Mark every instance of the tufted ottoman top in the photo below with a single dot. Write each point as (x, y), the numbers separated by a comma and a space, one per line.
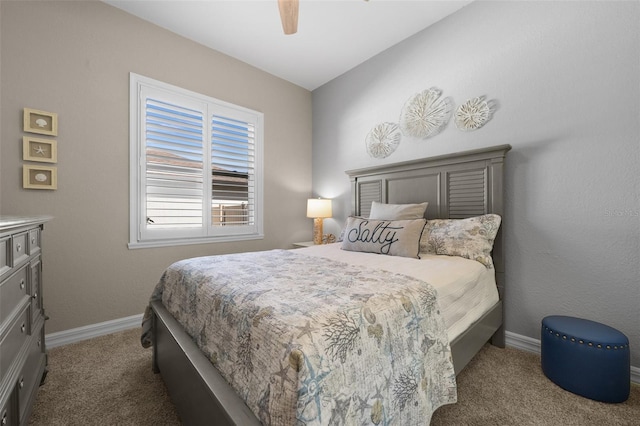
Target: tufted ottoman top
(585, 331)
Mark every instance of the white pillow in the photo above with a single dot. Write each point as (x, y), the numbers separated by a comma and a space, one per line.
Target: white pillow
(390, 237)
(382, 211)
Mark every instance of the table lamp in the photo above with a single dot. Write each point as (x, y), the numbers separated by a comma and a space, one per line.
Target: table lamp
(318, 209)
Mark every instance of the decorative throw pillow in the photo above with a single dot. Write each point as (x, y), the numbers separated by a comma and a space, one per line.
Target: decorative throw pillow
(471, 238)
(344, 228)
(391, 237)
(382, 211)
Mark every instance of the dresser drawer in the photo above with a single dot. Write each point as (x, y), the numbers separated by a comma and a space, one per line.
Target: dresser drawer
(9, 412)
(35, 288)
(29, 378)
(5, 255)
(12, 293)
(34, 241)
(19, 248)
(13, 340)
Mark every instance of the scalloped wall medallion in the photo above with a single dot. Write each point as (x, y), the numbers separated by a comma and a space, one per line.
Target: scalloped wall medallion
(473, 114)
(382, 140)
(425, 114)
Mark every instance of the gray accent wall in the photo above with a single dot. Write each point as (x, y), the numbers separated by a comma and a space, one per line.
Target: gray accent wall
(566, 78)
(74, 58)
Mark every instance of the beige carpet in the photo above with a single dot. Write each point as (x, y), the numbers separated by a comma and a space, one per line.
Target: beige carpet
(108, 381)
(103, 381)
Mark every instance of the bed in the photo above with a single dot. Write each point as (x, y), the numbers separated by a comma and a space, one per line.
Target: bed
(201, 377)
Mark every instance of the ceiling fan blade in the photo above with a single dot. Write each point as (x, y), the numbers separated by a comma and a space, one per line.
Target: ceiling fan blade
(289, 15)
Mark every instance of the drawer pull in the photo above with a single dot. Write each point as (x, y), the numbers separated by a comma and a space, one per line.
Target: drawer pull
(39, 342)
(18, 247)
(33, 240)
(21, 284)
(23, 328)
(4, 418)
(21, 383)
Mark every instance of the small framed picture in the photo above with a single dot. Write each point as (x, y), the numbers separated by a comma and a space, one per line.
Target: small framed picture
(39, 177)
(42, 150)
(41, 122)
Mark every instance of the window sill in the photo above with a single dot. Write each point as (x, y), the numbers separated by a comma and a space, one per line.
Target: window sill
(192, 241)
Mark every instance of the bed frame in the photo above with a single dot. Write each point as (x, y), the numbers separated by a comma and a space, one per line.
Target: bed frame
(455, 185)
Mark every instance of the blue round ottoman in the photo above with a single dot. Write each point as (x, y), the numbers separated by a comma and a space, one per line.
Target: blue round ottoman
(586, 357)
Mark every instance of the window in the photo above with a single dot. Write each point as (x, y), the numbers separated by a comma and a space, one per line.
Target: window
(196, 167)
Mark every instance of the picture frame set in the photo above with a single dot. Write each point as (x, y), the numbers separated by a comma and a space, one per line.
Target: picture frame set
(39, 150)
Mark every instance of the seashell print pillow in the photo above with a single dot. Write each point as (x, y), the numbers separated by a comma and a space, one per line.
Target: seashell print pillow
(389, 237)
(471, 238)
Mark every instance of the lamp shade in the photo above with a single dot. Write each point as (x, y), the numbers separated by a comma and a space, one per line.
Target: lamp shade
(318, 207)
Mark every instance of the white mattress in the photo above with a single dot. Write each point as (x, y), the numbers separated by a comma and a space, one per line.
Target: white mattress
(466, 288)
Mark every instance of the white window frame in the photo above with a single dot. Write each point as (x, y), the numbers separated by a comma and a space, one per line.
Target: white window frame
(139, 235)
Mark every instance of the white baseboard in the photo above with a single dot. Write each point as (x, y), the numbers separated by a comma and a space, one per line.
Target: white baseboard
(522, 342)
(74, 335)
(533, 345)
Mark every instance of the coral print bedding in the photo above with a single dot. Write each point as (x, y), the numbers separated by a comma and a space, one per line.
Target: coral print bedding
(306, 340)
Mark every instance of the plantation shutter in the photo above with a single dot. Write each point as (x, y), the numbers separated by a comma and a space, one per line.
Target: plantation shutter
(174, 181)
(196, 167)
(233, 171)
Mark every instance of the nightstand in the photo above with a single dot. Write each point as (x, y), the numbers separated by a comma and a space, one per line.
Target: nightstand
(303, 244)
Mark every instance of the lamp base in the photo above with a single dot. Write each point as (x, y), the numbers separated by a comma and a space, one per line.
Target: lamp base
(317, 230)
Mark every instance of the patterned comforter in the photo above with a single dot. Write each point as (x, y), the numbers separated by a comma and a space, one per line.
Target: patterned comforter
(306, 340)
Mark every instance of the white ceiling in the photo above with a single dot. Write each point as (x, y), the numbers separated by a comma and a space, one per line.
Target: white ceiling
(333, 36)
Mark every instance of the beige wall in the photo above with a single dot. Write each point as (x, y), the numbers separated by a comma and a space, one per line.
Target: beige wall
(74, 58)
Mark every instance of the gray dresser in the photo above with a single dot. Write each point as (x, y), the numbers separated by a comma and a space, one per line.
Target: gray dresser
(23, 359)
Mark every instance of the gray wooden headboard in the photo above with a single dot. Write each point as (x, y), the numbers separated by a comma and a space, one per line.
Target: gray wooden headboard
(456, 186)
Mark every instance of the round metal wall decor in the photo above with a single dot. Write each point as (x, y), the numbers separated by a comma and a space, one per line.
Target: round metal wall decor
(473, 114)
(382, 140)
(425, 114)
